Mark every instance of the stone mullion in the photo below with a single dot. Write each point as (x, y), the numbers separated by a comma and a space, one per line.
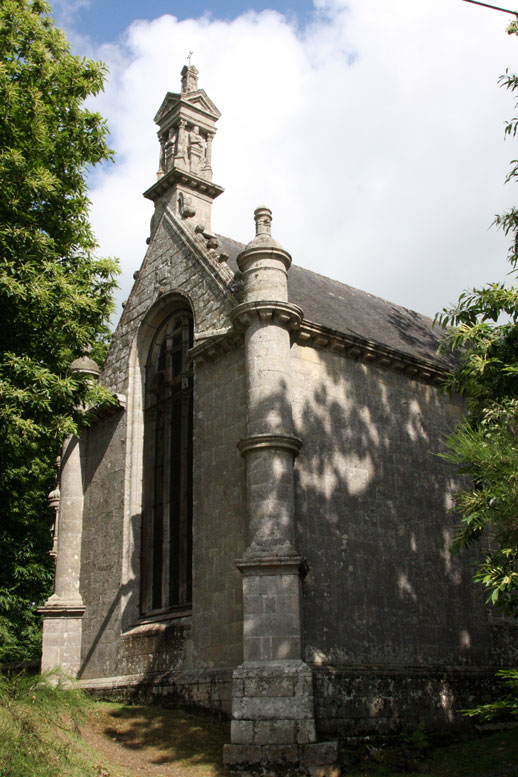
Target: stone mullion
(166, 504)
(184, 477)
(146, 540)
(185, 465)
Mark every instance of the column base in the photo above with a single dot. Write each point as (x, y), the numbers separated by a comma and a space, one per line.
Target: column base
(61, 643)
(317, 759)
(273, 727)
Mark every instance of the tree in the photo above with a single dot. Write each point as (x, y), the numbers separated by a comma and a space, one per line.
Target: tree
(485, 445)
(55, 296)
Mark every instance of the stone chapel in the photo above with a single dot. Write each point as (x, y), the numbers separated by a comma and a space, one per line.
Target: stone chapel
(260, 525)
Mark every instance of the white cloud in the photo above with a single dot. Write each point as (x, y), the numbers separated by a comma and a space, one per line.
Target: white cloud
(375, 134)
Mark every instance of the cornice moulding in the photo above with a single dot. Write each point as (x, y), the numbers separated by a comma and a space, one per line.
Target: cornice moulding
(270, 565)
(176, 175)
(277, 441)
(352, 347)
(102, 412)
(315, 336)
(62, 611)
(213, 347)
(275, 311)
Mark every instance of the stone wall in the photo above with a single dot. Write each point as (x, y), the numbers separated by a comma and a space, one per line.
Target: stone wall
(101, 546)
(165, 656)
(168, 266)
(383, 598)
(219, 533)
(356, 702)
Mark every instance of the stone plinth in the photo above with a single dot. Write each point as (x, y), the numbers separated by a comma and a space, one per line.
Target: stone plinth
(318, 759)
(273, 727)
(271, 606)
(61, 643)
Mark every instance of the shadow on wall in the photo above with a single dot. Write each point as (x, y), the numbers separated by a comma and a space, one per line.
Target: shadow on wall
(383, 598)
(150, 649)
(372, 501)
(372, 507)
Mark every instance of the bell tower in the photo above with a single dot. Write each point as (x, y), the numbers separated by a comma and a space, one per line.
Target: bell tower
(186, 128)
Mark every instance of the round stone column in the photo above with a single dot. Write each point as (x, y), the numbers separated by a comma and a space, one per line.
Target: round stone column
(267, 317)
(270, 446)
(63, 611)
(66, 587)
(273, 723)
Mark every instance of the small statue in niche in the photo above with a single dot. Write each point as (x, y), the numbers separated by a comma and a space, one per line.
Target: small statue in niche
(161, 161)
(169, 149)
(196, 149)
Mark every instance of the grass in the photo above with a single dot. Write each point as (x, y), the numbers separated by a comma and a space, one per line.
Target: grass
(39, 716)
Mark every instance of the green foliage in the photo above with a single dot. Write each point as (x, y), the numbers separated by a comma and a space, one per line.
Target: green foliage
(486, 450)
(503, 707)
(484, 334)
(55, 297)
(38, 716)
(415, 738)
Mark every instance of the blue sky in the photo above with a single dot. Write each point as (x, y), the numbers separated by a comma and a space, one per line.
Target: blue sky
(372, 128)
(105, 20)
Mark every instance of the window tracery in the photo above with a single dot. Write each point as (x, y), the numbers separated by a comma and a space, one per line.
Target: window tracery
(167, 500)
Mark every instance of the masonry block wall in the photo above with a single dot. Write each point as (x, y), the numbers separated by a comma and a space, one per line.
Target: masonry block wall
(101, 556)
(115, 643)
(167, 267)
(382, 590)
(219, 510)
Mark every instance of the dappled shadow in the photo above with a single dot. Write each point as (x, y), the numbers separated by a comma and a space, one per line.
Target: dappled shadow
(168, 736)
(372, 519)
(415, 331)
(382, 595)
(392, 623)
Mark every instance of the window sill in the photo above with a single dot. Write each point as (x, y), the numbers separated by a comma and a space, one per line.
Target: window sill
(159, 621)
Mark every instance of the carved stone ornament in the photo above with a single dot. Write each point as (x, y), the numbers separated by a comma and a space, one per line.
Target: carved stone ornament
(196, 150)
(185, 206)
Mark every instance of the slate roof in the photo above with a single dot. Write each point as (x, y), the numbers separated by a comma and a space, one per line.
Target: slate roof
(344, 309)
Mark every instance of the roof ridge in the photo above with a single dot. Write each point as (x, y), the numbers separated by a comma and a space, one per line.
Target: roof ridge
(363, 291)
(342, 283)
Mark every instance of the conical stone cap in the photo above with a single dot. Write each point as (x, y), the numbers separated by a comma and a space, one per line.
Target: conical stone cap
(264, 263)
(263, 235)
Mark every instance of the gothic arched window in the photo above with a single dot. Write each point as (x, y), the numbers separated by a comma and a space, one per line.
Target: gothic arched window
(167, 500)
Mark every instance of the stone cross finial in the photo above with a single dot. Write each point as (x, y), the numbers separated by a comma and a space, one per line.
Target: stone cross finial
(189, 78)
(263, 220)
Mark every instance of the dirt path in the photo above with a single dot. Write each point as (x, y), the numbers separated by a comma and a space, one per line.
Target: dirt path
(153, 742)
